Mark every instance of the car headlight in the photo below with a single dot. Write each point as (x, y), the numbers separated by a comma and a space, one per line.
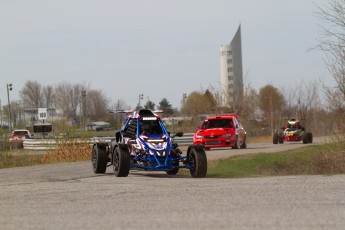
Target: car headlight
(198, 136)
(226, 135)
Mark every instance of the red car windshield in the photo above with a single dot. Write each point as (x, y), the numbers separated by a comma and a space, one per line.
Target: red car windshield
(20, 133)
(217, 123)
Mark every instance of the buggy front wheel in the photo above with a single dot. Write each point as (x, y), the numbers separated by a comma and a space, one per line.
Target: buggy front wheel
(198, 162)
(121, 161)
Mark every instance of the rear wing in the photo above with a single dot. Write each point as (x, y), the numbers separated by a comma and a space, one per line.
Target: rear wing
(232, 115)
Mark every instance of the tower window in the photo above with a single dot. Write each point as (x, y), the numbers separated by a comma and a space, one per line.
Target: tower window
(229, 70)
(229, 61)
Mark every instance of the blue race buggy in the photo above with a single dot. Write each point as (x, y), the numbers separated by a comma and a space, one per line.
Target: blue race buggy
(144, 143)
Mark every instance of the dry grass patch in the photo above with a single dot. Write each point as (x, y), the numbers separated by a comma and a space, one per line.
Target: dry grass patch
(330, 162)
(67, 152)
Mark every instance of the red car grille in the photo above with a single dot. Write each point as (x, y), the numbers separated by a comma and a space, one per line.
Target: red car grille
(213, 142)
(212, 137)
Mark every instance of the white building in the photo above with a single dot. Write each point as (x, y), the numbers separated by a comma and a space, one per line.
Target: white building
(98, 126)
(231, 76)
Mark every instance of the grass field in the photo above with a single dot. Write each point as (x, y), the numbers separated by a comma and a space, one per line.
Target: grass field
(309, 160)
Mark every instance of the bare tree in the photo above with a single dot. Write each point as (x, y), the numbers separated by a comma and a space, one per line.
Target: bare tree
(48, 96)
(17, 114)
(68, 98)
(291, 101)
(120, 105)
(271, 102)
(332, 42)
(97, 105)
(63, 98)
(31, 94)
(76, 98)
(250, 101)
(307, 96)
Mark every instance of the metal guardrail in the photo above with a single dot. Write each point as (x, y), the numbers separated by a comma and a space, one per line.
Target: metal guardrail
(186, 139)
(49, 144)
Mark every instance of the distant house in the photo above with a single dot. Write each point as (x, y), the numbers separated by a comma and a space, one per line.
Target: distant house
(98, 126)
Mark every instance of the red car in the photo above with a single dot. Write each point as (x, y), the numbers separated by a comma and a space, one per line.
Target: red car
(18, 136)
(221, 131)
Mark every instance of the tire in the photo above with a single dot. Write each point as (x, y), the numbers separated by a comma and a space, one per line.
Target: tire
(305, 138)
(175, 170)
(121, 161)
(275, 138)
(99, 159)
(244, 144)
(198, 161)
(281, 141)
(236, 143)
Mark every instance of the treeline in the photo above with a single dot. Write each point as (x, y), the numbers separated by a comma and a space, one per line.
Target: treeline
(68, 98)
(76, 102)
(262, 111)
(265, 110)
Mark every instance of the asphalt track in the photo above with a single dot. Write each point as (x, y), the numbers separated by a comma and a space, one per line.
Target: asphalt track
(70, 196)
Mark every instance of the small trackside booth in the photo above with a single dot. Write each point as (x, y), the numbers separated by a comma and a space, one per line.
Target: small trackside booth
(42, 130)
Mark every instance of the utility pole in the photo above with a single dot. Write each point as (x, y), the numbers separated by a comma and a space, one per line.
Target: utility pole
(83, 95)
(184, 97)
(0, 115)
(141, 96)
(9, 88)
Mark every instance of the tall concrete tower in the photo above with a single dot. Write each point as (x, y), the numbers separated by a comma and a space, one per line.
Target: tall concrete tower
(231, 74)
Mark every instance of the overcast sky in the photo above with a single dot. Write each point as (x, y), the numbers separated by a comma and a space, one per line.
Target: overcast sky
(158, 48)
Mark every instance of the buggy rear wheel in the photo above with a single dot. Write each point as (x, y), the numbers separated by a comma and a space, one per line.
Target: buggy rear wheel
(121, 161)
(275, 138)
(99, 159)
(281, 140)
(198, 162)
(305, 138)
